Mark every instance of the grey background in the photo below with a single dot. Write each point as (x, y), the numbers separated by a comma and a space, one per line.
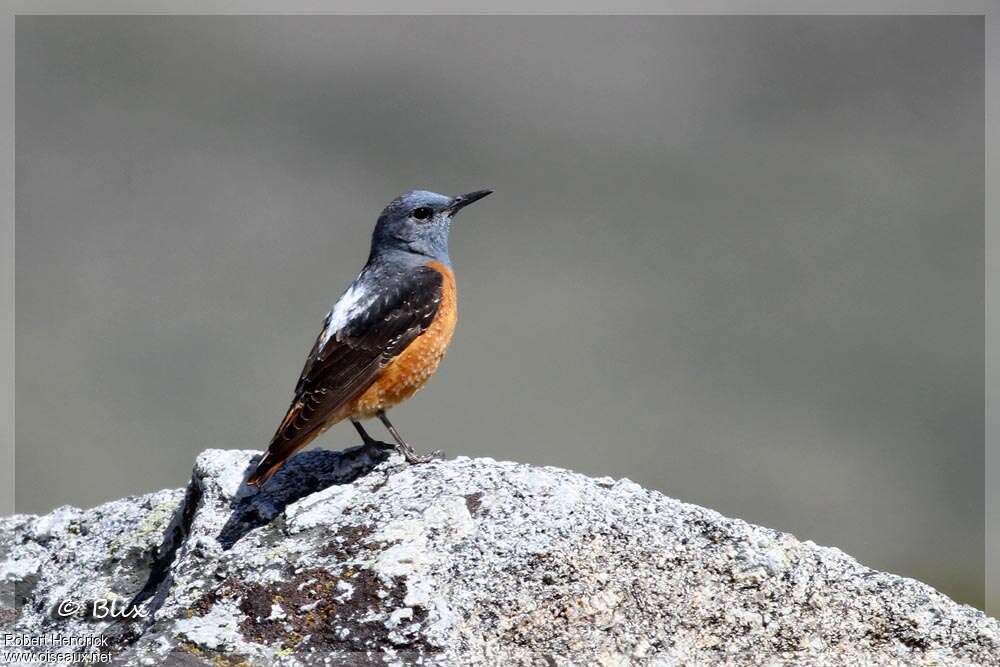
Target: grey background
(738, 259)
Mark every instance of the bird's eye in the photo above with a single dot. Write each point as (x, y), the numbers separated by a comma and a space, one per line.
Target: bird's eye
(423, 212)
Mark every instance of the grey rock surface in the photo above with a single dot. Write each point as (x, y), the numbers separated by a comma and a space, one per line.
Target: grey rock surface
(355, 558)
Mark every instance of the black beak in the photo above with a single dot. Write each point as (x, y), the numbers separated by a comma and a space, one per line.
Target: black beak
(461, 201)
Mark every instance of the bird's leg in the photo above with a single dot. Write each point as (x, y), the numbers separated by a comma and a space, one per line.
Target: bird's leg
(408, 453)
(367, 439)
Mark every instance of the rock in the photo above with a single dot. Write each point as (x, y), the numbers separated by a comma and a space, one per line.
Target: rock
(356, 558)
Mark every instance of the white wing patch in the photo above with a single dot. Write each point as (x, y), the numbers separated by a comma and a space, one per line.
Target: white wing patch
(353, 301)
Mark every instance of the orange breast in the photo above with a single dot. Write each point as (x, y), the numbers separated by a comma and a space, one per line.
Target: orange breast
(416, 364)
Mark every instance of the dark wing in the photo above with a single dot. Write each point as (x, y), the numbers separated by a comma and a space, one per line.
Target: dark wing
(343, 365)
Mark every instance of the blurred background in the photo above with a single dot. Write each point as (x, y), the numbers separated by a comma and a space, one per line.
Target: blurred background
(735, 259)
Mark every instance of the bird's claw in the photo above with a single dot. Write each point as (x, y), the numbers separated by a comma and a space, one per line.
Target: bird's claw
(413, 458)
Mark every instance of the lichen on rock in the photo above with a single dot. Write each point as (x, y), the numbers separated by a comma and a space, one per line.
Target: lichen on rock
(354, 558)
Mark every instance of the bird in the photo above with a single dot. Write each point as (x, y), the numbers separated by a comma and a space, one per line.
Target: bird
(384, 337)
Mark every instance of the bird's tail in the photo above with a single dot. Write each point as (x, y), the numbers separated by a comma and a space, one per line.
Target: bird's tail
(277, 454)
(266, 467)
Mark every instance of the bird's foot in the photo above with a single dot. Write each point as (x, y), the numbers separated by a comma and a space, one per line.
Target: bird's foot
(413, 458)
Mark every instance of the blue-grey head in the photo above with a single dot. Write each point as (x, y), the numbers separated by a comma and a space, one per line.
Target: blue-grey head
(413, 228)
